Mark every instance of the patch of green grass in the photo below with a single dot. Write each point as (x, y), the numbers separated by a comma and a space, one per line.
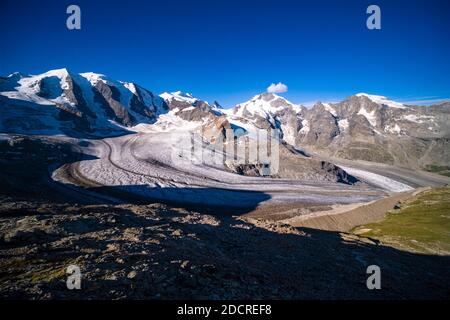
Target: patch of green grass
(421, 225)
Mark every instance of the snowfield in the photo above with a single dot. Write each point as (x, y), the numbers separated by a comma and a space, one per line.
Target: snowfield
(382, 100)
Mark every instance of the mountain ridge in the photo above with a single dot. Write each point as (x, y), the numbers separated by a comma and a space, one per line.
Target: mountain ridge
(361, 127)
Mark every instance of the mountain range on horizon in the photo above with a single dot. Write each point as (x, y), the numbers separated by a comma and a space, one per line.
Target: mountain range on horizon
(361, 127)
(189, 94)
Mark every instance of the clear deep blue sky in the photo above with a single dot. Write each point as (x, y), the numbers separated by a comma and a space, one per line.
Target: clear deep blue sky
(229, 50)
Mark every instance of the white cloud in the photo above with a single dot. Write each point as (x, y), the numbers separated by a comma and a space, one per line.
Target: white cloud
(277, 88)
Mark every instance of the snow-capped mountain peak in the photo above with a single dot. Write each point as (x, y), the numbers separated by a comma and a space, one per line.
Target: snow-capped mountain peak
(264, 105)
(179, 96)
(31, 84)
(381, 100)
(268, 97)
(94, 78)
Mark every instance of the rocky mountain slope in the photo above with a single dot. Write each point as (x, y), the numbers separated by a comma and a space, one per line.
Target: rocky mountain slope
(362, 127)
(373, 128)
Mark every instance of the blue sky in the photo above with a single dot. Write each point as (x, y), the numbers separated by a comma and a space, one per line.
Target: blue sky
(231, 50)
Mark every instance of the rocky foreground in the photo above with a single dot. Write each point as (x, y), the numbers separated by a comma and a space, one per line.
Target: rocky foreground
(159, 252)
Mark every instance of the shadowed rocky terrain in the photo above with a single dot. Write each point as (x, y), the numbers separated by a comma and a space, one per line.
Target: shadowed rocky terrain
(155, 251)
